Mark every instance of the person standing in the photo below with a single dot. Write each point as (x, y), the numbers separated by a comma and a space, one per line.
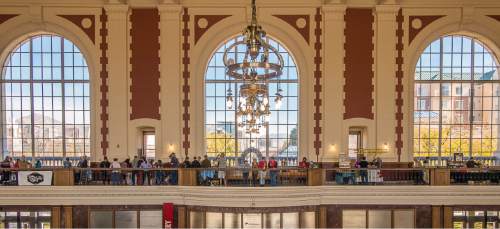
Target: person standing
(186, 163)
(273, 171)
(67, 163)
(363, 165)
(159, 173)
(222, 165)
(245, 170)
(255, 171)
(206, 174)
(174, 163)
(115, 173)
(105, 173)
(262, 171)
(196, 163)
(135, 165)
(304, 164)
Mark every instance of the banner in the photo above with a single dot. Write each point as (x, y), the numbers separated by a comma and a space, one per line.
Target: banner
(168, 215)
(34, 178)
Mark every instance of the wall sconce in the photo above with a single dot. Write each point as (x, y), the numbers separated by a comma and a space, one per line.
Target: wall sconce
(386, 146)
(332, 147)
(171, 148)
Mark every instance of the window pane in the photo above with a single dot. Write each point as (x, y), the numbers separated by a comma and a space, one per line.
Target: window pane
(40, 102)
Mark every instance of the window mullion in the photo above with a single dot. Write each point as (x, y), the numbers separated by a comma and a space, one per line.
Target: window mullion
(63, 101)
(440, 126)
(33, 155)
(472, 93)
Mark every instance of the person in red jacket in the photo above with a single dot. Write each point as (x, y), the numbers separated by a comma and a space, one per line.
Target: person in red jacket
(262, 171)
(273, 172)
(304, 164)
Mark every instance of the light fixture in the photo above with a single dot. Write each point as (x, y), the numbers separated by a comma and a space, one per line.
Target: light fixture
(253, 71)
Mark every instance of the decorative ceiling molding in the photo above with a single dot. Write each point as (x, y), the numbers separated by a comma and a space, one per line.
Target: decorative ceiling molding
(418, 23)
(301, 23)
(84, 22)
(203, 22)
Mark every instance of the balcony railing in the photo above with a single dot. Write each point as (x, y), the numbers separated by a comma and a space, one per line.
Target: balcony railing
(384, 176)
(248, 177)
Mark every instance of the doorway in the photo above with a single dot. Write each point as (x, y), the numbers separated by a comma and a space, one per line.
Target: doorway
(355, 143)
(149, 144)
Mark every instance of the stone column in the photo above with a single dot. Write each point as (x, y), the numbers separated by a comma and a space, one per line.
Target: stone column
(333, 81)
(170, 79)
(118, 108)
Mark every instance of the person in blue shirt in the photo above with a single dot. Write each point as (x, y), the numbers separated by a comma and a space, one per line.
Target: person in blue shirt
(67, 163)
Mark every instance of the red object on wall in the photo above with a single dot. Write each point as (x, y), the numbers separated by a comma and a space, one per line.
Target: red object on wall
(145, 61)
(168, 215)
(358, 74)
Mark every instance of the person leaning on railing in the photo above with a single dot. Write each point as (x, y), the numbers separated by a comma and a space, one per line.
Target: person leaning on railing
(262, 171)
(6, 165)
(115, 173)
(255, 169)
(206, 174)
(245, 170)
(273, 171)
(222, 165)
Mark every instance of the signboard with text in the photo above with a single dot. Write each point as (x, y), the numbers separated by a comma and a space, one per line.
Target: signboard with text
(38, 178)
(168, 215)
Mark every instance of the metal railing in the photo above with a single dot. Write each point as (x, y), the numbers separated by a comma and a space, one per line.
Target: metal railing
(125, 176)
(253, 177)
(475, 176)
(282, 176)
(377, 176)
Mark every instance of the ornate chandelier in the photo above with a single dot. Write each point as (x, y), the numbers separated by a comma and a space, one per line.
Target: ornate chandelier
(253, 71)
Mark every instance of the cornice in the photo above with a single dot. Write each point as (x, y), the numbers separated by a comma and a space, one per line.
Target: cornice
(251, 197)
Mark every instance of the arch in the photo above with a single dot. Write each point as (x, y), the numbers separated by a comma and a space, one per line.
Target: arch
(47, 106)
(456, 82)
(19, 28)
(288, 36)
(481, 28)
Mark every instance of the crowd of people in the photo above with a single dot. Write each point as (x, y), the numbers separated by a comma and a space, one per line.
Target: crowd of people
(143, 171)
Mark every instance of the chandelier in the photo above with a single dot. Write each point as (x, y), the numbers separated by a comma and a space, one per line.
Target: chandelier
(253, 71)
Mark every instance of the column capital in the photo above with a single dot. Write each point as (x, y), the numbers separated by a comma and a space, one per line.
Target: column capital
(386, 12)
(334, 12)
(116, 8)
(169, 12)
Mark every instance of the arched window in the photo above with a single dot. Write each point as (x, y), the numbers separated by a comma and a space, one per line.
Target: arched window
(45, 100)
(456, 100)
(279, 139)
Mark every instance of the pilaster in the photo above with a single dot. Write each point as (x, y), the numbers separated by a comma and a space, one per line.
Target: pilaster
(170, 80)
(118, 80)
(333, 81)
(385, 79)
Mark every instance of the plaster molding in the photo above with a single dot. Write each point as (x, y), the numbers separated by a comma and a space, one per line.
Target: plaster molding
(251, 197)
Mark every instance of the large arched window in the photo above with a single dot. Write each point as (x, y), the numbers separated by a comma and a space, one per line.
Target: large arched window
(279, 139)
(45, 100)
(456, 100)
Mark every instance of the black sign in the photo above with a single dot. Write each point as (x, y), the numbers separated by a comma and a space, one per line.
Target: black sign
(35, 178)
